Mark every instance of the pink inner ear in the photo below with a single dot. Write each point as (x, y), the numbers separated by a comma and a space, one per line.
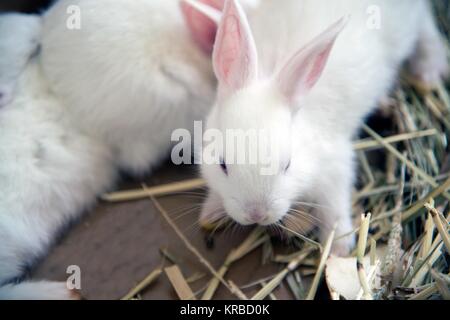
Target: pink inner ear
(234, 57)
(231, 38)
(218, 4)
(202, 28)
(319, 64)
(304, 69)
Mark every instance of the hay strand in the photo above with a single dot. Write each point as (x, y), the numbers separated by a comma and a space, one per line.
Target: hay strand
(326, 252)
(160, 190)
(179, 283)
(361, 248)
(189, 245)
(149, 279)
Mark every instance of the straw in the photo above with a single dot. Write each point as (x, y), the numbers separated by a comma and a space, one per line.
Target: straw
(407, 162)
(188, 244)
(253, 241)
(439, 226)
(179, 283)
(154, 191)
(321, 267)
(149, 279)
(275, 282)
(361, 248)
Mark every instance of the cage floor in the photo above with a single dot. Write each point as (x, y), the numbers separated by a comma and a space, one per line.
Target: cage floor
(117, 245)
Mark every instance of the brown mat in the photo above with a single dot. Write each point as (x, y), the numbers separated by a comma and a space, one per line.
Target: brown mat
(117, 245)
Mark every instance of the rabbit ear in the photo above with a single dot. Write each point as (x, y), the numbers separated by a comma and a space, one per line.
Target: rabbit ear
(234, 55)
(202, 18)
(304, 69)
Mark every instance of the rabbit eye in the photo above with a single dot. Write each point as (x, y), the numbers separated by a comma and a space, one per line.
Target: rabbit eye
(223, 166)
(287, 166)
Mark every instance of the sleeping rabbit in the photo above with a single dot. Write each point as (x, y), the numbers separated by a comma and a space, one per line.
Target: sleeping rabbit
(131, 73)
(105, 96)
(50, 173)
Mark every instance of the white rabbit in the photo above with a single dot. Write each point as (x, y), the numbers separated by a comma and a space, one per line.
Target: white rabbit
(130, 75)
(49, 174)
(50, 171)
(19, 39)
(148, 76)
(269, 70)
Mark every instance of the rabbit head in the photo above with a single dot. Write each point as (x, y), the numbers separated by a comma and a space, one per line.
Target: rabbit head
(261, 191)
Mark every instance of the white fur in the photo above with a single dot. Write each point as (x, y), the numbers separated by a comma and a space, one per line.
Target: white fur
(361, 69)
(129, 76)
(429, 63)
(19, 38)
(49, 174)
(38, 290)
(123, 82)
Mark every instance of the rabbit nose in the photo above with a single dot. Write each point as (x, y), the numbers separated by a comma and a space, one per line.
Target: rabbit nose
(256, 216)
